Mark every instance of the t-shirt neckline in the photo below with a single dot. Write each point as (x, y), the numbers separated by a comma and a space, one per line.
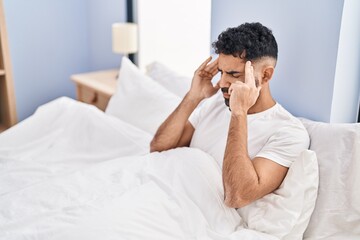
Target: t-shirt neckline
(260, 114)
(263, 113)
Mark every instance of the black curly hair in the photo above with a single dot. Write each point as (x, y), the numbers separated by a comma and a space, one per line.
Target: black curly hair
(250, 41)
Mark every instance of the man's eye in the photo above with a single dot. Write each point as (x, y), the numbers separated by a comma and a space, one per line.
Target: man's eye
(236, 76)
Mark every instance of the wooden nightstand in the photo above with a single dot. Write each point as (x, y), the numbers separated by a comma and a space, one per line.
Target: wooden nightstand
(96, 88)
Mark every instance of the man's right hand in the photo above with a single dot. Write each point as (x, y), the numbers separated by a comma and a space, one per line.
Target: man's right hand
(201, 86)
(177, 131)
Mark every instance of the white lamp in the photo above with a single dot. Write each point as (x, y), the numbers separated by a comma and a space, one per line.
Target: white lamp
(124, 38)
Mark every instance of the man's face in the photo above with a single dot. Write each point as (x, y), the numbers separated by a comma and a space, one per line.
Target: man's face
(232, 69)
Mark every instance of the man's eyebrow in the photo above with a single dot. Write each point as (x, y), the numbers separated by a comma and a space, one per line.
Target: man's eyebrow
(233, 72)
(230, 72)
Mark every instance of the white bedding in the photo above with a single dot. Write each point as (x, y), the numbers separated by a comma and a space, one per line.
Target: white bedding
(72, 172)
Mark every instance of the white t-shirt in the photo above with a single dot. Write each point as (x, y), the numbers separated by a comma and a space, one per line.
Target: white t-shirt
(273, 134)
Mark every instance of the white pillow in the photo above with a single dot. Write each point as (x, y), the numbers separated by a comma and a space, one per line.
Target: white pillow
(286, 212)
(139, 100)
(337, 211)
(168, 78)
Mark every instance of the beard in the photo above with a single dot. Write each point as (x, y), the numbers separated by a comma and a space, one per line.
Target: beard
(227, 100)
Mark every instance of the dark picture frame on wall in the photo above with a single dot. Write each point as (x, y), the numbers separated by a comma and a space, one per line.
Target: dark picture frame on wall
(131, 17)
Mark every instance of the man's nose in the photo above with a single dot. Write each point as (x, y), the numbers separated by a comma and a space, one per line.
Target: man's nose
(223, 82)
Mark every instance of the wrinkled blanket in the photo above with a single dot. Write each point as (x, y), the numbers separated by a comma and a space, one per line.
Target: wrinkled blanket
(72, 172)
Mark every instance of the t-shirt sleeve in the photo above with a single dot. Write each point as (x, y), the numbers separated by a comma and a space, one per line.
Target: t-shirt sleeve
(200, 111)
(285, 145)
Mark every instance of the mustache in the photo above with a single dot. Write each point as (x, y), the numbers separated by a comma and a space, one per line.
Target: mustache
(225, 90)
(227, 100)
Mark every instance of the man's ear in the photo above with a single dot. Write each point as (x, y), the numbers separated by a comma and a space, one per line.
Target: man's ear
(268, 72)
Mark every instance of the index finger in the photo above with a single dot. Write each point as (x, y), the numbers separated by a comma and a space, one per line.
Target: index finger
(249, 74)
(212, 67)
(203, 65)
(213, 64)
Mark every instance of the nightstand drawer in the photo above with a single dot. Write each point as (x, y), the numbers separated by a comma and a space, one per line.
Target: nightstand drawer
(90, 96)
(96, 88)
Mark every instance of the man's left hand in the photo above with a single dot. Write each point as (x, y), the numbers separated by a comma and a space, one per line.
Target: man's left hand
(243, 95)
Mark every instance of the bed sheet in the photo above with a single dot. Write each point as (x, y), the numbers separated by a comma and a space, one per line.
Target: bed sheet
(72, 172)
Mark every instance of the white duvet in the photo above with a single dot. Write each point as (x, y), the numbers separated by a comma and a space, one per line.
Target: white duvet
(72, 172)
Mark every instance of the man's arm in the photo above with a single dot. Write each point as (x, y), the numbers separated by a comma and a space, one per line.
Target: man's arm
(177, 131)
(246, 180)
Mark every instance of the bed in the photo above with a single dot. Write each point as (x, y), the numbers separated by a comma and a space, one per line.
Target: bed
(71, 171)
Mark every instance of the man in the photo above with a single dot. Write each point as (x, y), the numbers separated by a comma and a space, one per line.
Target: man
(252, 137)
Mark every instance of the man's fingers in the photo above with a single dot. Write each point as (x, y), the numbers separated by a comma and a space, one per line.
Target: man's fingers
(203, 65)
(215, 70)
(212, 67)
(205, 74)
(249, 74)
(230, 89)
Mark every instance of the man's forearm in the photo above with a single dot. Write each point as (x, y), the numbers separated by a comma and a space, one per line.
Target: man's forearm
(239, 175)
(169, 133)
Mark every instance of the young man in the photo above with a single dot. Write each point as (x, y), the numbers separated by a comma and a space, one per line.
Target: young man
(252, 137)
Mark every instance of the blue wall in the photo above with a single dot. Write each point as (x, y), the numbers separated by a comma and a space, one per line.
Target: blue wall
(307, 33)
(103, 13)
(51, 40)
